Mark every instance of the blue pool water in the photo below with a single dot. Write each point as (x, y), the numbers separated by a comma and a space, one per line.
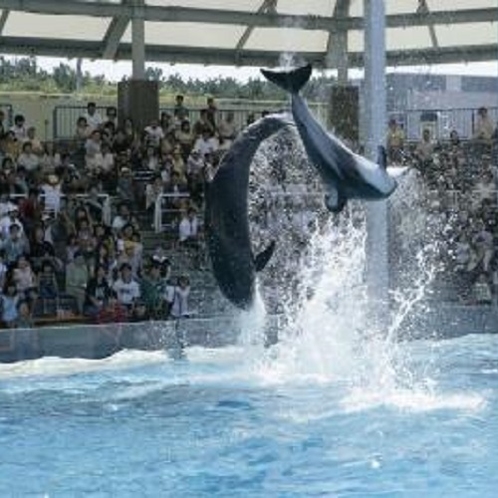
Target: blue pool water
(245, 422)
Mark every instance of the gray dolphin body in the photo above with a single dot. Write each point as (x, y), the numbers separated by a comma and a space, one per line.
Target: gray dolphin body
(226, 216)
(346, 175)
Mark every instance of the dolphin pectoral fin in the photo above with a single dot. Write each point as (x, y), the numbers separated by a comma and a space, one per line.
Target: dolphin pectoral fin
(334, 201)
(291, 81)
(382, 157)
(261, 260)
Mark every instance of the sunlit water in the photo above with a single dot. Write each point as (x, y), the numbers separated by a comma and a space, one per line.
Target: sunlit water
(336, 408)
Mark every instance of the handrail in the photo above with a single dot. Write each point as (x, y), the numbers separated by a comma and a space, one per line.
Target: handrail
(158, 208)
(106, 206)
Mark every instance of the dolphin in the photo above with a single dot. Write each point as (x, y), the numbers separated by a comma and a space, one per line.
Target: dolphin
(226, 222)
(346, 175)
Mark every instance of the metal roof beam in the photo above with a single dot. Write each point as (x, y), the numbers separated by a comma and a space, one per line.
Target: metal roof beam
(259, 58)
(113, 36)
(217, 16)
(267, 5)
(3, 20)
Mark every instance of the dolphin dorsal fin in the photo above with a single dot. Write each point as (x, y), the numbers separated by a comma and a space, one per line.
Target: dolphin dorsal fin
(261, 260)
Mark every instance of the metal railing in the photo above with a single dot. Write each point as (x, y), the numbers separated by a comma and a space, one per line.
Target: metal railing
(64, 118)
(106, 204)
(163, 207)
(441, 121)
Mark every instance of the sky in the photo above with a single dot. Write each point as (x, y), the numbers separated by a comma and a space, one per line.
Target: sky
(115, 71)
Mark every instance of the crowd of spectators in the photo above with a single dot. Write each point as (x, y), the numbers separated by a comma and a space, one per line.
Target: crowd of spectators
(61, 256)
(460, 184)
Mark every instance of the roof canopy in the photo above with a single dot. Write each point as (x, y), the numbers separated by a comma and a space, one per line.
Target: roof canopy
(249, 32)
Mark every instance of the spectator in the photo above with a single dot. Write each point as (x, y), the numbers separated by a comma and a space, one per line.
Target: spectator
(395, 142)
(126, 287)
(112, 311)
(206, 143)
(154, 134)
(167, 124)
(16, 245)
(227, 128)
(140, 313)
(122, 218)
(36, 145)
(82, 131)
(93, 117)
(3, 269)
(485, 128)
(153, 291)
(483, 245)
(203, 123)
(97, 292)
(47, 282)
(125, 188)
(185, 139)
(24, 316)
(152, 192)
(25, 279)
(19, 128)
(111, 114)
(52, 193)
(188, 229)
(8, 219)
(41, 250)
(77, 276)
(9, 301)
(179, 305)
(482, 291)
(212, 112)
(180, 112)
(28, 159)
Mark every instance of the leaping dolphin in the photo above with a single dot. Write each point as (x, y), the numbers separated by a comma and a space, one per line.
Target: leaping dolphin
(346, 175)
(226, 215)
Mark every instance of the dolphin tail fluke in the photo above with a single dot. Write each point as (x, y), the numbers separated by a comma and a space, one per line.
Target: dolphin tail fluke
(291, 81)
(261, 260)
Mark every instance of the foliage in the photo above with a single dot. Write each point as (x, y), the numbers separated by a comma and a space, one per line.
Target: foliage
(24, 74)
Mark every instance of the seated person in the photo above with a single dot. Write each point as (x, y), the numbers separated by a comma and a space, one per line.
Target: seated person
(76, 279)
(126, 287)
(181, 292)
(485, 128)
(97, 293)
(395, 142)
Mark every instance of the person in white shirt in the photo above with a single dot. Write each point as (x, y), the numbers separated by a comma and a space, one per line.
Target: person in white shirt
(126, 288)
(19, 128)
(206, 143)
(189, 228)
(11, 218)
(179, 297)
(154, 133)
(93, 118)
(28, 158)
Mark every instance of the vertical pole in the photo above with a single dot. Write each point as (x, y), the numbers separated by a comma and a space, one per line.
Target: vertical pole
(377, 271)
(138, 41)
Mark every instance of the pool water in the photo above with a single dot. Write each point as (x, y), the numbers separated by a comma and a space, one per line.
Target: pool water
(234, 422)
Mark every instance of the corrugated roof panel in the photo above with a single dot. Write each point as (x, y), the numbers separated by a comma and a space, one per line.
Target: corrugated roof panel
(287, 40)
(408, 38)
(61, 26)
(190, 34)
(467, 34)
(323, 8)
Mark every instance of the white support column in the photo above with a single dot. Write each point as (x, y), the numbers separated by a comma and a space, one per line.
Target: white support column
(138, 40)
(377, 273)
